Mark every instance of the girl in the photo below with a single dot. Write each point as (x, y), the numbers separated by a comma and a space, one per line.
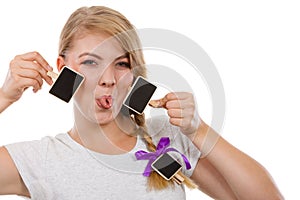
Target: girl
(96, 158)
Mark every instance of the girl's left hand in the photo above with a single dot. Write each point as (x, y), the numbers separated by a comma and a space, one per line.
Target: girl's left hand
(181, 109)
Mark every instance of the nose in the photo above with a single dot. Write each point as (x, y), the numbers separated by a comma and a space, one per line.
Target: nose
(108, 78)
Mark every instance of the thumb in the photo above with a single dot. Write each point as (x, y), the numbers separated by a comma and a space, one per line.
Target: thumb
(159, 103)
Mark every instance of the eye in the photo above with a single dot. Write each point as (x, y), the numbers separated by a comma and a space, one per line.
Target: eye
(89, 63)
(123, 64)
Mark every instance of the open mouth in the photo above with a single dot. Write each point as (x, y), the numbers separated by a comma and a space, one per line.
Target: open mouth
(105, 101)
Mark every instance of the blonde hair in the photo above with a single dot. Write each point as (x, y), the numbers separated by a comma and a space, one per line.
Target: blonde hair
(97, 19)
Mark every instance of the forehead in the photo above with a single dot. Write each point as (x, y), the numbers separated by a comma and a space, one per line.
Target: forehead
(101, 44)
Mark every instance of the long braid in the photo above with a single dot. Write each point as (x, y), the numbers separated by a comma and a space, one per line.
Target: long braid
(156, 181)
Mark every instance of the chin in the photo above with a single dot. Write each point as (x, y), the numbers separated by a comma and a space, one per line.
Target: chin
(103, 119)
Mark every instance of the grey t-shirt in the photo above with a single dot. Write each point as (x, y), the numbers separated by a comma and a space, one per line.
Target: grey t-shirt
(60, 168)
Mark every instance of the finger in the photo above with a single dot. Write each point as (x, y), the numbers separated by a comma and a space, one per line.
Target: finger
(163, 102)
(174, 104)
(35, 56)
(180, 122)
(29, 82)
(178, 95)
(31, 74)
(181, 113)
(159, 103)
(176, 121)
(175, 113)
(36, 67)
(182, 104)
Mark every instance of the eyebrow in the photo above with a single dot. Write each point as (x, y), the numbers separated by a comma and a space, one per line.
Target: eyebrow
(125, 55)
(90, 54)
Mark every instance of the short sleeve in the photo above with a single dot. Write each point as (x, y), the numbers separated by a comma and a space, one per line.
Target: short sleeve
(160, 127)
(29, 158)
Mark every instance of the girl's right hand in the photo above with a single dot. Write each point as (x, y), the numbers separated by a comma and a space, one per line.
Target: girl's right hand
(26, 70)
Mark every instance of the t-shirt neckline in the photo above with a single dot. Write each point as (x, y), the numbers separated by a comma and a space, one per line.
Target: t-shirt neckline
(136, 147)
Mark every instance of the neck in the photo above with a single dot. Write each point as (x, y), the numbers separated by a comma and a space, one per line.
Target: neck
(114, 137)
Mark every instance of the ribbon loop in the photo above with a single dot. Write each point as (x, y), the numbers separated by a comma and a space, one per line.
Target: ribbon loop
(161, 148)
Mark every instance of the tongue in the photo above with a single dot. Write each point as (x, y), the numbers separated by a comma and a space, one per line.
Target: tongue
(106, 102)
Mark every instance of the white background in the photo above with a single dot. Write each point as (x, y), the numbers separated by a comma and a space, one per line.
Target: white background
(255, 46)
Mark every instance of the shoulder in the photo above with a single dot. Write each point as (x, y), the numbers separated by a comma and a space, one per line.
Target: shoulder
(39, 148)
(157, 123)
(159, 126)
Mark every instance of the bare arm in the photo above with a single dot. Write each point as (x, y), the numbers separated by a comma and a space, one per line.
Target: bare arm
(4, 103)
(10, 179)
(26, 70)
(238, 174)
(211, 182)
(224, 172)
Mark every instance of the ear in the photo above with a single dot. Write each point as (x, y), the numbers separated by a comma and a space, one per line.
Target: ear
(60, 63)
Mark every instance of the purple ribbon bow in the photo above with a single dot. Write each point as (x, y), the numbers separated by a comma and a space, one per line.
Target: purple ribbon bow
(164, 142)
